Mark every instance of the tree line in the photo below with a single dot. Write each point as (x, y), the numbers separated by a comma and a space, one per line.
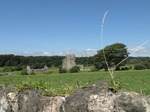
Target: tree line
(113, 54)
(39, 61)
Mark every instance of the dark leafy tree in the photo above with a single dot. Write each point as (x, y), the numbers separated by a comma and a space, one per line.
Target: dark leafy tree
(114, 53)
(86, 61)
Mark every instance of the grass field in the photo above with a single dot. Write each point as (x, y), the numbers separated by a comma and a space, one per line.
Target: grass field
(131, 80)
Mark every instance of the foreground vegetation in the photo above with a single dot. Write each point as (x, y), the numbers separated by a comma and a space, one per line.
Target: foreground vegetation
(58, 84)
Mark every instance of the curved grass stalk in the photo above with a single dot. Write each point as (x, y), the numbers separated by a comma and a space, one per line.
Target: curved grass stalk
(102, 42)
(111, 70)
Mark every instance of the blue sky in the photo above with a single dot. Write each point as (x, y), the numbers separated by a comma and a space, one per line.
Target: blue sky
(58, 27)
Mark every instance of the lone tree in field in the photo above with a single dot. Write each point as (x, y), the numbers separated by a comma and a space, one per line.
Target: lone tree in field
(114, 54)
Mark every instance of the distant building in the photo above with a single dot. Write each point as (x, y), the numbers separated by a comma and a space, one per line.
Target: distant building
(29, 70)
(69, 62)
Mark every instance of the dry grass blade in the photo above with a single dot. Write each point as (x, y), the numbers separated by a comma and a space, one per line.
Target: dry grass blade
(132, 53)
(111, 69)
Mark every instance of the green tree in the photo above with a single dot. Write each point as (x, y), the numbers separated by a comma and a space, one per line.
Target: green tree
(114, 54)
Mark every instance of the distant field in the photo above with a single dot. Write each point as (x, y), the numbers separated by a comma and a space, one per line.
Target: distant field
(132, 80)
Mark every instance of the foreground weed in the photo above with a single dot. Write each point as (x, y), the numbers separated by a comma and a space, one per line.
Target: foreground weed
(79, 85)
(47, 89)
(25, 85)
(143, 88)
(111, 70)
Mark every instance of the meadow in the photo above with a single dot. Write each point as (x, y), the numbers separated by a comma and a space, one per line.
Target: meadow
(130, 80)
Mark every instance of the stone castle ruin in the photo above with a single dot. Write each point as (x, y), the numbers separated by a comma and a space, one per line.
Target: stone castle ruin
(29, 70)
(69, 62)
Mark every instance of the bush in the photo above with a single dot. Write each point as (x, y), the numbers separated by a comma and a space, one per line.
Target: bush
(74, 69)
(32, 73)
(24, 72)
(147, 64)
(62, 70)
(18, 68)
(130, 67)
(117, 68)
(49, 72)
(94, 69)
(126, 68)
(139, 67)
(122, 68)
(8, 69)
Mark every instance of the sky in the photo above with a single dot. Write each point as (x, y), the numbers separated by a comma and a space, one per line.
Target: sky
(60, 27)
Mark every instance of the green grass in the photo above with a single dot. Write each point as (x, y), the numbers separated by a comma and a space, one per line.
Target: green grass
(1, 68)
(132, 80)
(89, 67)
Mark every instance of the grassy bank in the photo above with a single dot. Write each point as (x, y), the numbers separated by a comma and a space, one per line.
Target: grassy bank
(132, 80)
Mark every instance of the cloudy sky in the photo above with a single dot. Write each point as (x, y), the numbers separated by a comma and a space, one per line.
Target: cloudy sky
(60, 27)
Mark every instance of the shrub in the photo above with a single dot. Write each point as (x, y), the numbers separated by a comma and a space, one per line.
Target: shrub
(126, 68)
(118, 68)
(8, 69)
(62, 70)
(49, 72)
(94, 69)
(18, 68)
(74, 69)
(130, 67)
(32, 73)
(24, 72)
(122, 68)
(147, 64)
(139, 67)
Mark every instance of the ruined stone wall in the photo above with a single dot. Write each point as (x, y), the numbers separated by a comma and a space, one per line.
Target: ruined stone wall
(29, 70)
(69, 62)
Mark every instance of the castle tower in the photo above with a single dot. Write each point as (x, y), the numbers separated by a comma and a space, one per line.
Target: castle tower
(69, 62)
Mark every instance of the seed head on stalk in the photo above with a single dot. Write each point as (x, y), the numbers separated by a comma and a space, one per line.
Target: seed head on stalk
(111, 69)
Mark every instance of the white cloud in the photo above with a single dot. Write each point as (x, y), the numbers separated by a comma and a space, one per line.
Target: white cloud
(46, 53)
(136, 49)
(90, 52)
(42, 53)
(78, 53)
(94, 50)
(139, 51)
